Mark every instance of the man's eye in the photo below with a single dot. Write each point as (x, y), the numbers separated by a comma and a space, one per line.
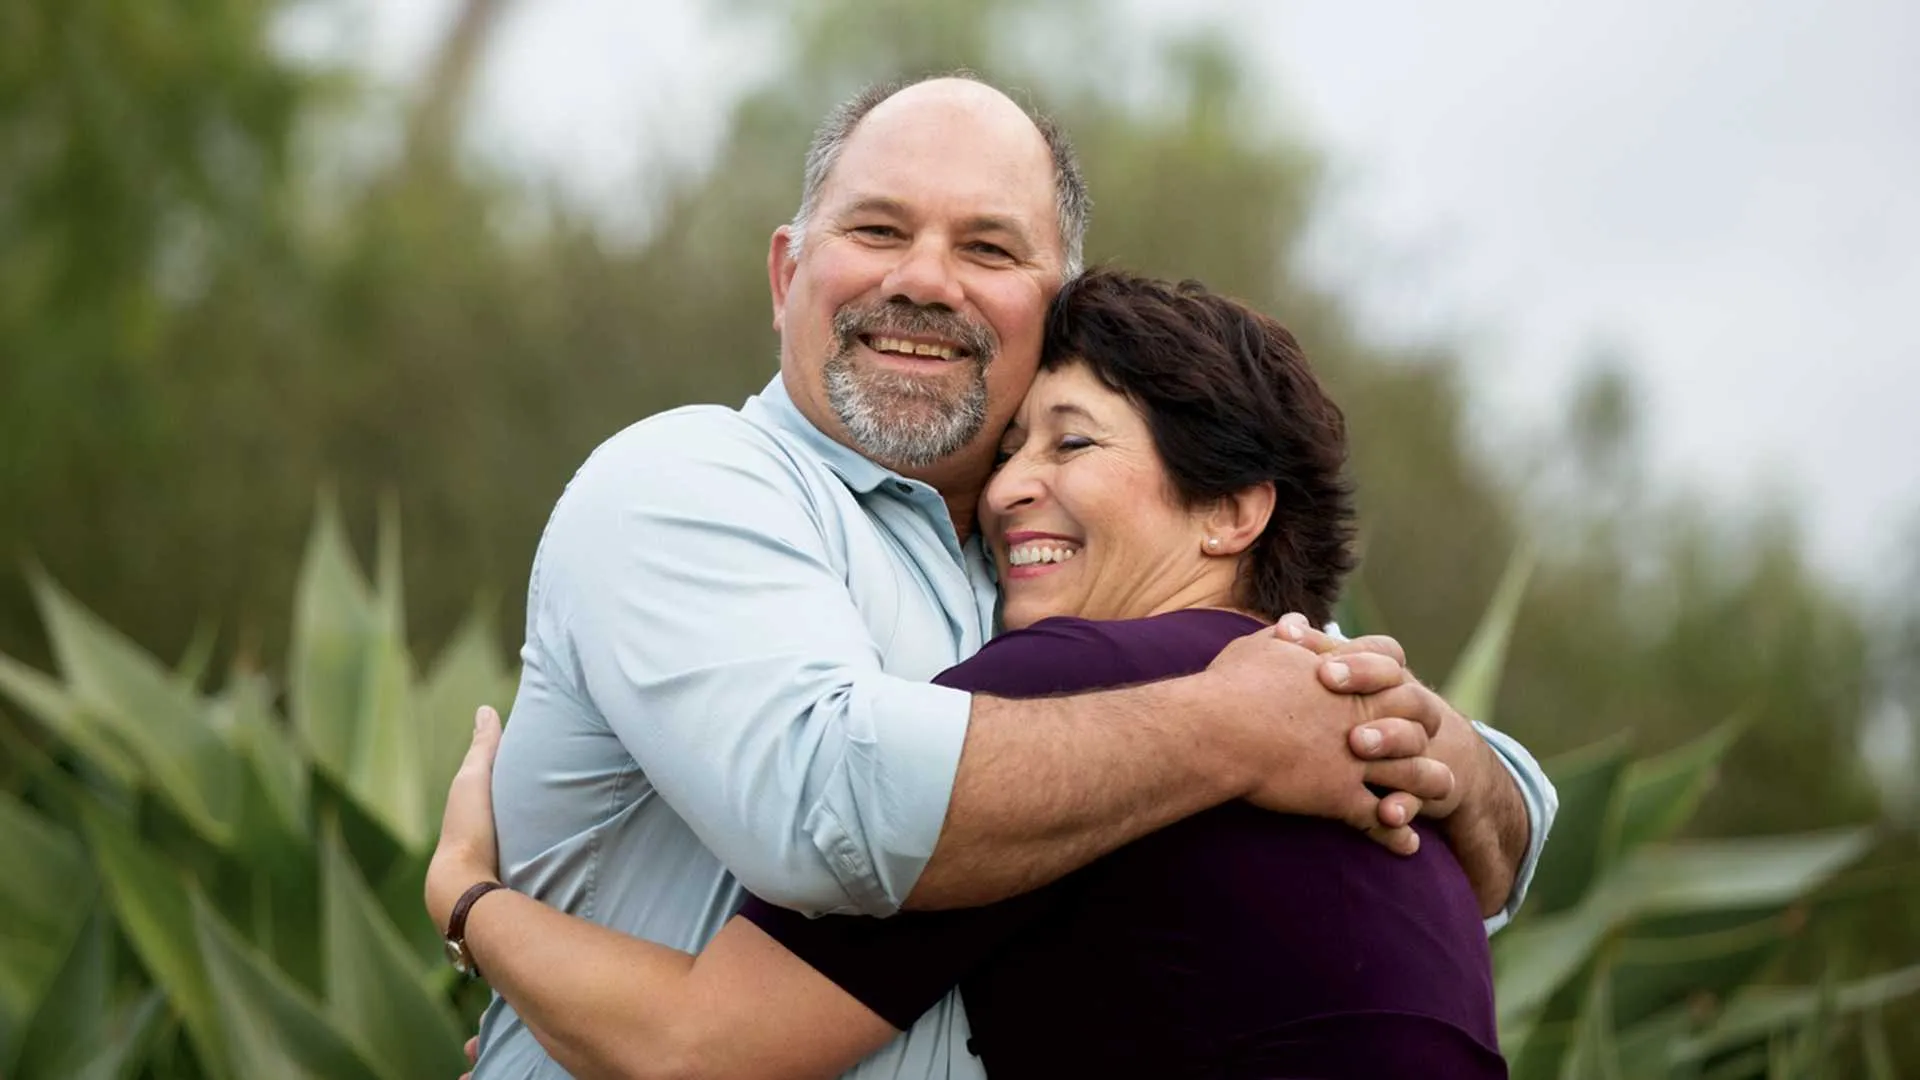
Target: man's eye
(878, 232)
(992, 251)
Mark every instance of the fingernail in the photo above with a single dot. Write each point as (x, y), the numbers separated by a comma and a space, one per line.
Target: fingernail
(479, 716)
(1369, 740)
(1289, 631)
(1340, 673)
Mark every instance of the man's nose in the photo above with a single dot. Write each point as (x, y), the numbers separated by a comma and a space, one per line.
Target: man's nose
(925, 276)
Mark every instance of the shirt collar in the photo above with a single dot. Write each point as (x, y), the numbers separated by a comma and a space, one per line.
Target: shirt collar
(773, 408)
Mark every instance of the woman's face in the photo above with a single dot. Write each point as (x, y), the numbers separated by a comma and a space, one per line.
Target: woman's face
(1081, 517)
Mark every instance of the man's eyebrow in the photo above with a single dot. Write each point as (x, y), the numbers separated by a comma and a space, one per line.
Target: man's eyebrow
(873, 204)
(995, 223)
(891, 207)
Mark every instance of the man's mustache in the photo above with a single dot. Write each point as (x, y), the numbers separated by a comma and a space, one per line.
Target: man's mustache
(893, 318)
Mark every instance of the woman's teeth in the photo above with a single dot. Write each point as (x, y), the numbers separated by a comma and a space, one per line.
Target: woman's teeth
(1030, 554)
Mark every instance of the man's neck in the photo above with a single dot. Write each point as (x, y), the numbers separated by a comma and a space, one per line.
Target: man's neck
(959, 480)
(961, 508)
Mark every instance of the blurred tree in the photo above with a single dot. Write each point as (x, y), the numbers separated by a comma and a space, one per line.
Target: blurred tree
(143, 143)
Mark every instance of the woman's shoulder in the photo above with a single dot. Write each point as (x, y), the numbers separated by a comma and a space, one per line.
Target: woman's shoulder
(1066, 654)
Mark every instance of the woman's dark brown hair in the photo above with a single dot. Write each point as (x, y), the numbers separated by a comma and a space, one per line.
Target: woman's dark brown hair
(1230, 402)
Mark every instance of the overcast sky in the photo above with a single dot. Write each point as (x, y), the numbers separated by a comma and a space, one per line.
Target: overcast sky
(1726, 192)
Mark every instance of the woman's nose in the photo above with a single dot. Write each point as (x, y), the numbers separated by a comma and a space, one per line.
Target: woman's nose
(1015, 485)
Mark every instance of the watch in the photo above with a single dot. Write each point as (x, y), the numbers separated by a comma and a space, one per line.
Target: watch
(456, 938)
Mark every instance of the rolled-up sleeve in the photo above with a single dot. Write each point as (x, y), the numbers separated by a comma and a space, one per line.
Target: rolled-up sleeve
(1542, 804)
(712, 625)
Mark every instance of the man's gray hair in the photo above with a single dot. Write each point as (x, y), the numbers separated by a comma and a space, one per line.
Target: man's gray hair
(1071, 203)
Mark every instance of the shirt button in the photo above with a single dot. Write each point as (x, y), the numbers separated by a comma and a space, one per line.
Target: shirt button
(902, 487)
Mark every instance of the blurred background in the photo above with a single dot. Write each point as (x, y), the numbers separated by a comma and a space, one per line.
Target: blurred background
(1630, 285)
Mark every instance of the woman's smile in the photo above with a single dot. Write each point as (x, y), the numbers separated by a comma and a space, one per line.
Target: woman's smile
(1034, 554)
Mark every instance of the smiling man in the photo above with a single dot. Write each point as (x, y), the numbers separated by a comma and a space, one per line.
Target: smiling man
(733, 616)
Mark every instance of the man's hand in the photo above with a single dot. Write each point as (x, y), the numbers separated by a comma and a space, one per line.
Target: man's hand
(467, 852)
(1485, 817)
(1305, 765)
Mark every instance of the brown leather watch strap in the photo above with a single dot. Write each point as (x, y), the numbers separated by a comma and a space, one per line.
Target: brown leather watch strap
(457, 927)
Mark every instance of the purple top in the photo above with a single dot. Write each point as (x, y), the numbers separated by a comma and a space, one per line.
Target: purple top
(1236, 943)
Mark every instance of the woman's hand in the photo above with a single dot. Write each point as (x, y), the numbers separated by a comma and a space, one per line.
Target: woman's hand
(468, 851)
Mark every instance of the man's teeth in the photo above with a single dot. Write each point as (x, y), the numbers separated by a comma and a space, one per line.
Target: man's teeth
(913, 348)
(1029, 554)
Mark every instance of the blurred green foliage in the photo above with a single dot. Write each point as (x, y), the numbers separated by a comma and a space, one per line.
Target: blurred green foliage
(217, 293)
(228, 884)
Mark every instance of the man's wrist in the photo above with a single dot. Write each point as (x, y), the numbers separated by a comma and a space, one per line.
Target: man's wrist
(1226, 745)
(1477, 829)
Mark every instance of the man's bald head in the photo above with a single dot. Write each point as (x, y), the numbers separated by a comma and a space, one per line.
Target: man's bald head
(957, 90)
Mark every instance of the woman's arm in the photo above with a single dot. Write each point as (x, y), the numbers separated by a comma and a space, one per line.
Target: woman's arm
(605, 1004)
(608, 1005)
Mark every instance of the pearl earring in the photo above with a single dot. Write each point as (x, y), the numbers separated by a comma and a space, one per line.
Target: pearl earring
(1213, 543)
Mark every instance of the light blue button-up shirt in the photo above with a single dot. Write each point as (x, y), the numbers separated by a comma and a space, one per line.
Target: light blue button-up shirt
(731, 623)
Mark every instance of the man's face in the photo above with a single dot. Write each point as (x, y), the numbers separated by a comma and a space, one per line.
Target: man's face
(910, 322)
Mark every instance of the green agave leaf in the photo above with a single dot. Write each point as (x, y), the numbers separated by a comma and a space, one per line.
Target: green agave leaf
(351, 685)
(377, 988)
(121, 1050)
(198, 654)
(1645, 1048)
(81, 1032)
(1537, 1045)
(1538, 956)
(284, 781)
(1751, 872)
(149, 711)
(1587, 781)
(1652, 972)
(273, 1029)
(1764, 1011)
(1876, 1050)
(154, 911)
(63, 716)
(1475, 681)
(333, 616)
(44, 903)
(1660, 794)
(398, 892)
(1595, 1054)
(467, 674)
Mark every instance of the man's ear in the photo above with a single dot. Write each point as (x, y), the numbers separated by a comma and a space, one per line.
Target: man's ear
(782, 261)
(1237, 520)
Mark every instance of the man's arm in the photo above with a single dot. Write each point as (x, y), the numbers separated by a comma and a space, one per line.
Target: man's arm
(1046, 786)
(693, 585)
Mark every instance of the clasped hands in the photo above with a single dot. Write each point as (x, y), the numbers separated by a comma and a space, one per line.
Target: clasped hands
(1405, 751)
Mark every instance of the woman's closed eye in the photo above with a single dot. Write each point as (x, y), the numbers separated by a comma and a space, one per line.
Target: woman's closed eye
(1070, 443)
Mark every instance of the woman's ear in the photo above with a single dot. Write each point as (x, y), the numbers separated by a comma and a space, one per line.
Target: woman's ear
(1235, 521)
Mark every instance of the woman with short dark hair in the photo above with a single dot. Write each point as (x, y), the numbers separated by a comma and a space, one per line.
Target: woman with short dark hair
(1173, 481)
